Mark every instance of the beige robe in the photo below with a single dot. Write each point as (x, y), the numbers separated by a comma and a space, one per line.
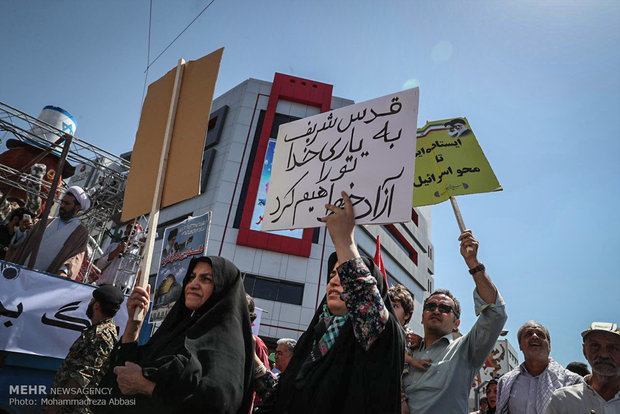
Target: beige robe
(71, 254)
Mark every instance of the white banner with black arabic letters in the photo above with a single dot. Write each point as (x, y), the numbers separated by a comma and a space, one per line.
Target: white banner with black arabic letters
(42, 314)
(366, 149)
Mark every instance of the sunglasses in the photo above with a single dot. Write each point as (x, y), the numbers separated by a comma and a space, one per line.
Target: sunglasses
(442, 308)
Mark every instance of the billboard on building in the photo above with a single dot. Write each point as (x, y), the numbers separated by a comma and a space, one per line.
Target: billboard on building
(261, 197)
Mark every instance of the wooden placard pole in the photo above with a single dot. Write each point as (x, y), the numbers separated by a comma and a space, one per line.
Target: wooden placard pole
(459, 217)
(145, 268)
(457, 214)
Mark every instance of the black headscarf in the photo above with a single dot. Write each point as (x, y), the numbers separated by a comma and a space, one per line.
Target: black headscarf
(201, 362)
(348, 379)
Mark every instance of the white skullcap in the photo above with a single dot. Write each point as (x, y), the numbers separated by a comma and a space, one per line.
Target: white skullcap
(80, 196)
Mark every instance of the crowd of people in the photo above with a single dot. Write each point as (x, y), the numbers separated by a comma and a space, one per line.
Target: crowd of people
(64, 240)
(541, 385)
(357, 355)
(64, 249)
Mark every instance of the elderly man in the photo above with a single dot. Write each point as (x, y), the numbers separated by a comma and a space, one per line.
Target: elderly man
(600, 393)
(284, 353)
(527, 388)
(64, 240)
(444, 387)
(88, 359)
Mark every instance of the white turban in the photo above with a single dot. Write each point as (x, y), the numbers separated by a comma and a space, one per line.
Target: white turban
(80, 196)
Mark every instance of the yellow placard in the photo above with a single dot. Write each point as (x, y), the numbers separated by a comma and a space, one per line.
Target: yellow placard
(449, 162)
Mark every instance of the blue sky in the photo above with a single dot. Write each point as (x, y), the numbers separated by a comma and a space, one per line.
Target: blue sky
(538, 82)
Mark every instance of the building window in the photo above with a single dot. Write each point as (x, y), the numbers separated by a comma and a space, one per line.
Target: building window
(274, 289)
(215, 127)
(214, 132)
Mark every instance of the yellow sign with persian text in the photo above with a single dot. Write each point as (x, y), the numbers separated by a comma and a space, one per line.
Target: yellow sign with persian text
(449, 162)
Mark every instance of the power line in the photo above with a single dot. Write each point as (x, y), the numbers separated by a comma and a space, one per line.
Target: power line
(148, 50)
(179, 35)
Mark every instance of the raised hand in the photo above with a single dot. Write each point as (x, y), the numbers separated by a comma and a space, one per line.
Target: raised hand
(469, 248)
(341, 226)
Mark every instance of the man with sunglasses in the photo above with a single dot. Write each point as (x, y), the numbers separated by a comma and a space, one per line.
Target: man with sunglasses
(444, 387)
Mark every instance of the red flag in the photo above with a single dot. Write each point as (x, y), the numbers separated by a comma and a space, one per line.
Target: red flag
(379, 261)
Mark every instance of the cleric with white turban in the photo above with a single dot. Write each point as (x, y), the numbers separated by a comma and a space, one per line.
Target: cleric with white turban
(64, 240)
(80, 197)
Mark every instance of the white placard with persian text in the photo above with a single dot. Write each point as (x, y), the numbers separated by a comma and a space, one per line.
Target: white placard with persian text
(366, 149)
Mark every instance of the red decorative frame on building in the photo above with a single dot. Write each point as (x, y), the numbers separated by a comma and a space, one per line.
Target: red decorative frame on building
(305, 92)
(393, 230)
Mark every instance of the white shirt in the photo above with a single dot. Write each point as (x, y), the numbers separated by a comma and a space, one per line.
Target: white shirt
(581, 398)
(523, 394)
(54, 237)
(111, 274)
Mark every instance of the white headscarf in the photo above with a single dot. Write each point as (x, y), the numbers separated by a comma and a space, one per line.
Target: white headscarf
(80, 196)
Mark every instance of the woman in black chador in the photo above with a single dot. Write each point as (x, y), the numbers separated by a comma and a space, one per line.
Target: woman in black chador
(351, 357)
(200, 358)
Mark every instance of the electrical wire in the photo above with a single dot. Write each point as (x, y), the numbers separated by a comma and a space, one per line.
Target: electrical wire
(148, 51)
(179, 35)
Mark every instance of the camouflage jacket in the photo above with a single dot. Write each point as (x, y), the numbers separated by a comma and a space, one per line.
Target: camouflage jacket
(87, 361)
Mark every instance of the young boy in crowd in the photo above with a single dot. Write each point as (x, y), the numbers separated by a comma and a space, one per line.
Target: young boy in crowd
(402, 302)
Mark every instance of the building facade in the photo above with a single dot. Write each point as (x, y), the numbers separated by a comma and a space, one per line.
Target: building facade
(285, 271)
(502, 359)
